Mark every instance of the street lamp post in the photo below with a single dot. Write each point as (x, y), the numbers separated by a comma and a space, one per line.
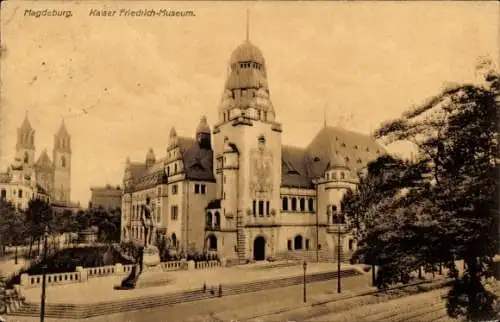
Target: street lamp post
(305, 295)
(44, 273)
(338, 260)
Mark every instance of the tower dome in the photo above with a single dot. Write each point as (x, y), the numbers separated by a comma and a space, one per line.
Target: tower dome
(150, 155)
(203, 127)
(247, 52)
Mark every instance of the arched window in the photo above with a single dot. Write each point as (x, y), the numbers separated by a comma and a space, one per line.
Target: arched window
(285, 203)
(63, 162)
(294, 204)
(174, 240)
(208, 219)
(217, 219)
(307, 244)
(254, 207)
(297, 242)
(26, 157)
(342, 175)
(351, 244)
(311, 204)
(261, 208)
(175, 168)
(289, 244)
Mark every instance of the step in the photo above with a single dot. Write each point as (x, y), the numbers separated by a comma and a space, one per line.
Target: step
(83, 311)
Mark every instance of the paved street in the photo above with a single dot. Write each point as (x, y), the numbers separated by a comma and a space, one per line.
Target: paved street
(416, 308)
(245, 305)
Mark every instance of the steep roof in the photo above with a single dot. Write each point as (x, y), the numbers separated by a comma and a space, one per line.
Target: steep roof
(44, 161)
(332, 147)
(294, 167)
(198, 165)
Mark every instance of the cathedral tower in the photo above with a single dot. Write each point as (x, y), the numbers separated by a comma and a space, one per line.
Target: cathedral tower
(62, 165)
(25, 146)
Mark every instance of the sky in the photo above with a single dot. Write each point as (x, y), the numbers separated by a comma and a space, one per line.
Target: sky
(121, 83)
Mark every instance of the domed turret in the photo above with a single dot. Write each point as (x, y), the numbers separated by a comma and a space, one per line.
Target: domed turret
(174, 140)
(150, 158)
(203, 127)
(203, 134)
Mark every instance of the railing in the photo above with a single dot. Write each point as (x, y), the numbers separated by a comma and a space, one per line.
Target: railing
(174, 265)
(208, 264)
(101, 271)
(82, 274)
(51, 279)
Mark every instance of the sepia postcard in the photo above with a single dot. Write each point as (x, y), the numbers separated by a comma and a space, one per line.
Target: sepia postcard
(249, 161)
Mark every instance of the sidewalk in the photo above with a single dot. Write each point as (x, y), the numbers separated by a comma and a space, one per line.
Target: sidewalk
(100, 289)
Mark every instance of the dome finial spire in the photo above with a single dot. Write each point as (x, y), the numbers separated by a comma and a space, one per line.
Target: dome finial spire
(324, 116)
(248, 24)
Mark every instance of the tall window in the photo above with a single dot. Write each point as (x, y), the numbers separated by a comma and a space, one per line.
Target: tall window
(289, 244)
(174, 212)
(285, 203)
(26, 157)
(158, 214)
(174, 189)
(217, 219)
(267, 208)
(3, 194)
(311, 204)
(20, 193)
(174, 240)
(254, 206)
(208, 220)
(202, 188)
(196, 188)
(63, 162)
(261, 208)
(294, 204)
(302, 204)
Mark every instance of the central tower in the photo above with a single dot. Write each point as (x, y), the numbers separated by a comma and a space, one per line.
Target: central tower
(247, 148)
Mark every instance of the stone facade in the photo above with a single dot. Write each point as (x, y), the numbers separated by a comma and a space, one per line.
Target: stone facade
(236, 189)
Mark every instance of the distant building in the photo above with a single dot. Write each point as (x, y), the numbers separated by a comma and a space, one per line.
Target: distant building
(236, 189)
(48, 179)
(107, 197)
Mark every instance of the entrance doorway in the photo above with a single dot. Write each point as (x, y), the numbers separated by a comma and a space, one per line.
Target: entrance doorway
(259, 249)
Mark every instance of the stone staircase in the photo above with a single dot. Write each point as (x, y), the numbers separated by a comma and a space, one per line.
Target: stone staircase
(71, 311)
(240, 238)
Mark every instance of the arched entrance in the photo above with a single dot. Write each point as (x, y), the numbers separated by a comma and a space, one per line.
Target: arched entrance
(212, 242)
(297, 243)
(259, 248)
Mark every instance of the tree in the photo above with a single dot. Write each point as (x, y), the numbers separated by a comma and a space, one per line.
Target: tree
(386, 223)
(11, 225)
(38, 215)
(456, 134)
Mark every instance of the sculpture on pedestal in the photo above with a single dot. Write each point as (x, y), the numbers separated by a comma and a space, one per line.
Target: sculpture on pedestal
(147, 254)
(147, 223)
